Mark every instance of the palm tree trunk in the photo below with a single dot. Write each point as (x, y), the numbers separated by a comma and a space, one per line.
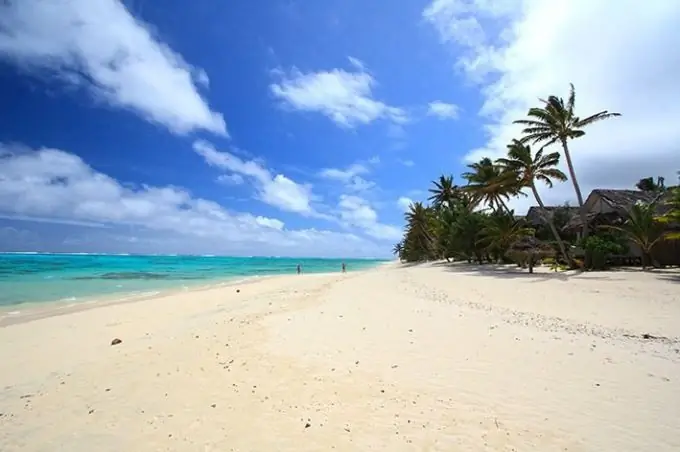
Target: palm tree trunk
(579, 197)
(549, 220)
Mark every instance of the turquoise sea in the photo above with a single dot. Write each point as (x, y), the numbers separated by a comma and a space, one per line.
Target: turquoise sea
(28, 278)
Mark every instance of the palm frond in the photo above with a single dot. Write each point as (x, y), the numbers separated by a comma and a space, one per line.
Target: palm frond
(571, 102)
(595, 118)
(556, 174)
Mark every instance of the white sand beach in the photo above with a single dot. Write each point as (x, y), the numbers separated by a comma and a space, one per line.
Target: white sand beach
(399, 358)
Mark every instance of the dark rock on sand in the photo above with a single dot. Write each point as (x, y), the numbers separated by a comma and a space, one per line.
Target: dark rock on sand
(116, 341)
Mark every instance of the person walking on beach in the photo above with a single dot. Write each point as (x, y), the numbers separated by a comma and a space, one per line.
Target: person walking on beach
(299, 269)
(344, 267)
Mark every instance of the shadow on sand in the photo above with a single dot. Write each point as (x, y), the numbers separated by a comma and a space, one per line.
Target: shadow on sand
(509, 271)
(542, 273)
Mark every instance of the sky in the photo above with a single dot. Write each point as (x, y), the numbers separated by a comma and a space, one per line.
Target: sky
(299, 128)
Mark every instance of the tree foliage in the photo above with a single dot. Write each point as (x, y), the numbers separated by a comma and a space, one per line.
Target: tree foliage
(473, 222)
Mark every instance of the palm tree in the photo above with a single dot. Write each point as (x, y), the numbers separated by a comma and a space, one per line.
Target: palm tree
(464, 233)
(650, 185)
(418, 230)
(486, 183)
(398, 249)
(444, 191)
(502, 231)
(555, 122)
(673, 213)
(643, 228)
(528, 169)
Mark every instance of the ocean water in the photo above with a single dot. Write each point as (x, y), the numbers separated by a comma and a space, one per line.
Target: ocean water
(29, 278)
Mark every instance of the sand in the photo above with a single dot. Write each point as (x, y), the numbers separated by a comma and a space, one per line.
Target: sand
(400, 358)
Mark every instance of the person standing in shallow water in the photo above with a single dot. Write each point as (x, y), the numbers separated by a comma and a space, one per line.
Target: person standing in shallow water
(299, 269)
(344, 267)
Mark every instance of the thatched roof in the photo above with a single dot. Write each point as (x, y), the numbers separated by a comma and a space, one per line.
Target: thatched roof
(621, 202)
(624, 199)
(530, 244)
(534, 215)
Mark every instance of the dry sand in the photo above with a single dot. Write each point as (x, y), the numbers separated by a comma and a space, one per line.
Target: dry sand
(422, 358)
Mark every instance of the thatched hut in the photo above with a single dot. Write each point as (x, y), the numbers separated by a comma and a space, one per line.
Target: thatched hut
(535, 215)
(529, 250)
(611, 207)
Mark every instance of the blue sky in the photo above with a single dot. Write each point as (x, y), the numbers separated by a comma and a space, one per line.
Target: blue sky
(297, 128)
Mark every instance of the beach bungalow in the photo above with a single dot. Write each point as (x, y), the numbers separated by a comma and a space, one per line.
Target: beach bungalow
(611, 207)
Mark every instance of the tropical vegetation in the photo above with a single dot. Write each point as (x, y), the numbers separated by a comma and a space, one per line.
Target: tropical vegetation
(472, 221)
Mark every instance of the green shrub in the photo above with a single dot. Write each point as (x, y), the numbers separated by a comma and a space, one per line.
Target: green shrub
(599, 247)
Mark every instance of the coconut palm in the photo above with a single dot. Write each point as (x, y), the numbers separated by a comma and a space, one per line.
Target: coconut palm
(642, 228)
(672, 216)
(419, 231)
(465, 232)
(444, 192)
(648, 184)
(501, 231)
(486, 183)
(557, 122)
(527, 169)
(398, 249)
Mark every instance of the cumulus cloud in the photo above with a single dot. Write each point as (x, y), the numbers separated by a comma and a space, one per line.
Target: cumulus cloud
(356, 211)
(626, 67)
(100, 45)
(269, 222)
(345, 97)
(274, 189)
(404, 203)
(51, 185)
(442, 110)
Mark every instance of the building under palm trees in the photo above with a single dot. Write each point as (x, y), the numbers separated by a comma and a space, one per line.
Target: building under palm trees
(605, 207)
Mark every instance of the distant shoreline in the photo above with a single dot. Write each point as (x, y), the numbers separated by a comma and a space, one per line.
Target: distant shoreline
(34, 279)
(12, 314)
(219, 256)
(29, 311)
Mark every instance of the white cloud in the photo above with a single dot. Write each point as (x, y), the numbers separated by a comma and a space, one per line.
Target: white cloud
(201, 77)
(343, 175)
(344, 97)
(442, 110)
(357, 63)
(276, 190)
(406, 162)
(404, 203)
(508, 48)
(269, 222)
(231, 179)
(350, 176)
(58, 187)
(100, 45)
(357, 212)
